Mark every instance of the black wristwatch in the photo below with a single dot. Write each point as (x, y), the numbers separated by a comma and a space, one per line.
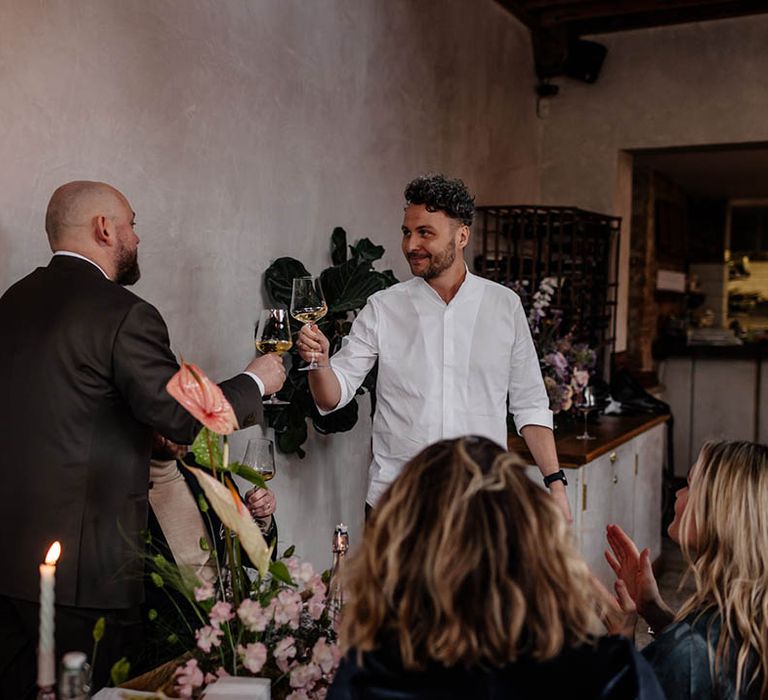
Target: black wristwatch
(557, 476)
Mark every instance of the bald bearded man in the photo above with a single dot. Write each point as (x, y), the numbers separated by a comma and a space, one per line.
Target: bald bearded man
(83, 367)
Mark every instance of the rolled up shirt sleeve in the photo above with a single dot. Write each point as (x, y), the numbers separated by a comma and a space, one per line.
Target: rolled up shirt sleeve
(356, 356)
(528, 400)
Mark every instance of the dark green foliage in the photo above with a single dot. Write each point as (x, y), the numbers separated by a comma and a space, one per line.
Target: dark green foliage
(347, 284)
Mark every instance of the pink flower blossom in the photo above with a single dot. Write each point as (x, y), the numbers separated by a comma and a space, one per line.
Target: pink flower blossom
(325, 655)
(305, 676)
(292, 564)
(220, 673)
(204, 592)
(254, 656)
(221, 612)
(316, 585)
(253, 616)
(298, 695)
(187, 678)
(202, 398)
(305, 573)
(207, 637)
(283, 652)
(316, 606)
(320, 693)
(580, 378)
(288, 609)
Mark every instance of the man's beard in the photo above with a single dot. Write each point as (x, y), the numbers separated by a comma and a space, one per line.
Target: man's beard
(128, 272)
(438, 263)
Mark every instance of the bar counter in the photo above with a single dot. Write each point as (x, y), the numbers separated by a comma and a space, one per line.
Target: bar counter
(610, 431)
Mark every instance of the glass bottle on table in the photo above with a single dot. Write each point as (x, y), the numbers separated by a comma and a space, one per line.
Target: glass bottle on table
(335, 594)
(308, 306)
(273, 334)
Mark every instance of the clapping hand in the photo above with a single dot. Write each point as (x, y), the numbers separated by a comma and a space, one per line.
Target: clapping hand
(634, 570)
(619, 613)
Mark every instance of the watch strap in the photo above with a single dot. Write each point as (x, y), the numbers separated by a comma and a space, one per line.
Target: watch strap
(557, 476)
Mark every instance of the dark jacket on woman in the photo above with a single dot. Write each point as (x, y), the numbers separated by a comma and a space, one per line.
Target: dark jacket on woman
(609, 670)
(680, 657)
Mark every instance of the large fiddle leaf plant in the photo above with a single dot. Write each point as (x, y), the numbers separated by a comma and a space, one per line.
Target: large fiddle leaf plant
(347, 284)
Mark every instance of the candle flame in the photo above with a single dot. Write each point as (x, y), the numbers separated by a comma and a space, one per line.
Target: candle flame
(53, 553)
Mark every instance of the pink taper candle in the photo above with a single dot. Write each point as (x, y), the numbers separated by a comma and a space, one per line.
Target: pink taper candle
(46, 649)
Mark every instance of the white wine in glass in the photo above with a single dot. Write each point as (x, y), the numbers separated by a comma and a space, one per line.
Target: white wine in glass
(308, 306)
(273, 334)
(260, 456)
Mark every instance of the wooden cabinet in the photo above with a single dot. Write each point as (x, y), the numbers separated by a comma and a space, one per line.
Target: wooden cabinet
(622, 486)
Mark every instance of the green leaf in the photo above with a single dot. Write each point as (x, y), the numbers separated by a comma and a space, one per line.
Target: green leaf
(278, 279)
(339, 246)
(98, 629)
(172, 638)
(248, 473)
(280, 572)
(157, 579)
(348, 286)
(204, 546)
(152, 614)
(288, 553)
(120, 671)
(202, 503)
(145, 535)
(207, 449)
(292, 438)
(366, 252)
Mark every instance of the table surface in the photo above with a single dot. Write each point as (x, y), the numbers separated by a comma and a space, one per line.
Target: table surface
(610, 431)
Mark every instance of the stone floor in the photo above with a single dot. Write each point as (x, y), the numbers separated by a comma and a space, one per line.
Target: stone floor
(673, 568)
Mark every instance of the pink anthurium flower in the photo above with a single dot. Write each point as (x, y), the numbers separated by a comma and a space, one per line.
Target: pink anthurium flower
(202, 398)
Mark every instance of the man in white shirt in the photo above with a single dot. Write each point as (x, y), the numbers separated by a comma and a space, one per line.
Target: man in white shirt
(452, 348)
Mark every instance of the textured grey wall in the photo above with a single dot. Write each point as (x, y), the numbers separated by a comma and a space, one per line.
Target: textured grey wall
(693, 84)
(243, 130)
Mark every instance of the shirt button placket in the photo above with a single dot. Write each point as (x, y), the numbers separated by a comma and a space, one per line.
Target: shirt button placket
(448, 374)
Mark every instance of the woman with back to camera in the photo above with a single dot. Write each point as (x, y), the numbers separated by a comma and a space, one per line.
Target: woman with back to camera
(716, 645)
(466, 585)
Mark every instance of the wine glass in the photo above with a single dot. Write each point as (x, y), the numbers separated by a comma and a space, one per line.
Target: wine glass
(308, 306)
(260, 456)
(585, 406)
(273, 334)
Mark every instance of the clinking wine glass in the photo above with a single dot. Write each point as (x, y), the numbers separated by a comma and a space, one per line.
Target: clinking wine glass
(273, 334)
(585, 406)
(260, 456)
(308, 306)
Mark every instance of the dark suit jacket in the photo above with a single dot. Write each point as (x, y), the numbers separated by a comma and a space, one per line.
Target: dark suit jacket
(83, 368)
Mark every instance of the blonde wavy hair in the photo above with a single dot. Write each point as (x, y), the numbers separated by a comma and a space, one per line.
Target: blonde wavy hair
(728, 557)
(465, 561)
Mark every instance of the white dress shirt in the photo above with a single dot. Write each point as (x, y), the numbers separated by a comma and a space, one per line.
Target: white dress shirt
(445, 370)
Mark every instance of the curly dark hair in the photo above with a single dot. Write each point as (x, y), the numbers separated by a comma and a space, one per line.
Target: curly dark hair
(439, 193)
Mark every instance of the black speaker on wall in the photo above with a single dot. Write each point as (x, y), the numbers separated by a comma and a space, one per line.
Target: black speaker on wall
(584, 60)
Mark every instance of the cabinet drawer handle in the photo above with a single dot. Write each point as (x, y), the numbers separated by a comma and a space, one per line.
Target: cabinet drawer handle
(615, 479)
(613, 457)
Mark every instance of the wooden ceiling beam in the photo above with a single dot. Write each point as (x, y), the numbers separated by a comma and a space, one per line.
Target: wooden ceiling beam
(645, 20)
(599, 16)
